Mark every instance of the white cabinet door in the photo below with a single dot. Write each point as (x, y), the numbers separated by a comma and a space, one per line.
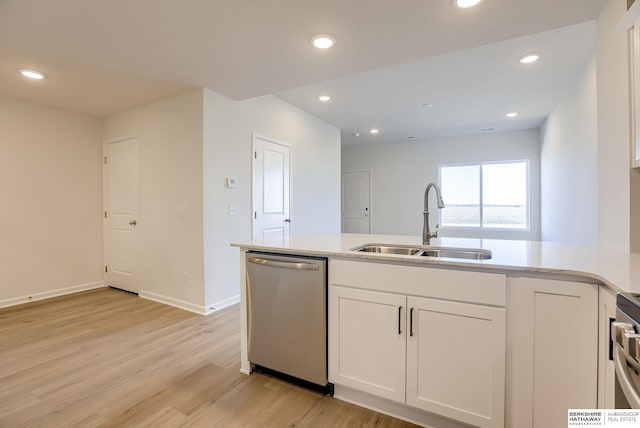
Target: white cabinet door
(367, 341)
(553, 345)
(606, 369)
(456, 360)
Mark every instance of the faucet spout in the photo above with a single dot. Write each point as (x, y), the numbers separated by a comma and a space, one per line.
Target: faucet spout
(426, 233)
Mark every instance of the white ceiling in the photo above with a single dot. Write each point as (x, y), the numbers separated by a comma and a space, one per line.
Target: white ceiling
(469, 91)
(104, 57)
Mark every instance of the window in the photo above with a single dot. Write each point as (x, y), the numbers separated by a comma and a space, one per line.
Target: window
(486, 195)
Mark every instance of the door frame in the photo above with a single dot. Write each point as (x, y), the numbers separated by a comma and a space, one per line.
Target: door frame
(256, 136)
(369, 173)
(105, 203)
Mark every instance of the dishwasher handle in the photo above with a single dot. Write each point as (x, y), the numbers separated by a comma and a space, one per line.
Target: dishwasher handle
(284, 265)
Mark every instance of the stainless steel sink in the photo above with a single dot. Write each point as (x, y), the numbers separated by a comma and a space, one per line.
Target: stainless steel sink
(458, 253)
(388, 249)
(442, 252)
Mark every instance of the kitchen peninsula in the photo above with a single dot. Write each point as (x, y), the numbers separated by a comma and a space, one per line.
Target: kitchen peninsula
(449, 342)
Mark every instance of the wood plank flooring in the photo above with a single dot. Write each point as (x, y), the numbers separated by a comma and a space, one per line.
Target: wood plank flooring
(106, 358)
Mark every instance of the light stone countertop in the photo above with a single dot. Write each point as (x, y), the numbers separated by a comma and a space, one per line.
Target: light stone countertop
(617, 270)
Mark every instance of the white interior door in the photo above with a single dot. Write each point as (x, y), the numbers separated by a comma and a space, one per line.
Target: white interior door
(271, 187)
(121, 213)
(356, 199)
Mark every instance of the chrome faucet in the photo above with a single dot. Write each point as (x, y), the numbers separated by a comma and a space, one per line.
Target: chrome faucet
(426, 234)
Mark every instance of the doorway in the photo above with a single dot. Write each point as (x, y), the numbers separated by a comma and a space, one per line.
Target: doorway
(271, 189)
(121, 187)
(356, 202)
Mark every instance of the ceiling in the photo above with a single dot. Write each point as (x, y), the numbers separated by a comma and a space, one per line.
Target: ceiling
(105, 57)
(460, 93)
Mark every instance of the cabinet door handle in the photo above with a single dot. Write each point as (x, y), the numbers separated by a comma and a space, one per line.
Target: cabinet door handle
(411, 322)
(399, 319)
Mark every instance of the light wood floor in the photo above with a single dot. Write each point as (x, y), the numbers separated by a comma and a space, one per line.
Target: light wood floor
(106, 358)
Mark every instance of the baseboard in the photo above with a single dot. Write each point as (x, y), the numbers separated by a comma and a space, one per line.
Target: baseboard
(181, 304)
(396, 410)
(49, 294)
(176, 303)
(222, 304)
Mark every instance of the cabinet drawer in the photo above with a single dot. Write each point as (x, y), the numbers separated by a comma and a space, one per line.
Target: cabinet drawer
(463, 286)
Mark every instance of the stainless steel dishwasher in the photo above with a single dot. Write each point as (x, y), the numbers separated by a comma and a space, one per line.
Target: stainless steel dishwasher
(287, 316)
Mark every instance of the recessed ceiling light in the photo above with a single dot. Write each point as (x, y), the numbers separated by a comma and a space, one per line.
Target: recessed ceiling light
(427, 105)
(324, 98)
(529, 58)
(356, 134)
(374, 131)
(31, 74)
(512, 114)
(464, 4)
(323, 41)
(487, 129)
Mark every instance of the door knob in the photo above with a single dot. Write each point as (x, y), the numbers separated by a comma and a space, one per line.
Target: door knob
(287, 220)
(133, 222)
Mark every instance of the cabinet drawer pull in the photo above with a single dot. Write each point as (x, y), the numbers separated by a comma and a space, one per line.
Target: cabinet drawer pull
(411, 322)
(399, 319)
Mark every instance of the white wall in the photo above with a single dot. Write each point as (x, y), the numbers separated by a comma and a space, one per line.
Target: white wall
(170, 266)
(315, 175)
(613, 128)
(189, 145)
(401, 172)
(569, 165)
(51, 187)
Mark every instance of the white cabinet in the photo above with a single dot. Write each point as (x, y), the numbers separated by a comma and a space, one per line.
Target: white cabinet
(367, 344)
(606, 369)
(442, 356)
(552, 351)
(456, 360)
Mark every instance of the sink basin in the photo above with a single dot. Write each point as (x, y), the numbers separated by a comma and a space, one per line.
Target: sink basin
(458, 253)
(388, 249)
(408, 250)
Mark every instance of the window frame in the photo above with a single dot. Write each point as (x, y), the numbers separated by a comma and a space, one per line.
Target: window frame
(527, 163)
